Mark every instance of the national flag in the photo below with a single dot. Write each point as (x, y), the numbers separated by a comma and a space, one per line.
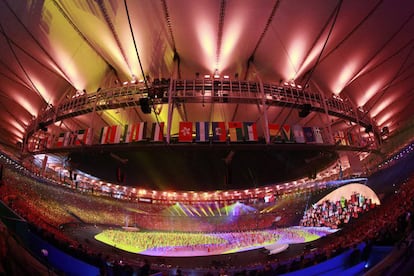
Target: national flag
(202, 131)
(60, 139)
(298, 134)
(115, 134)
(140, 132)
(339, 138)
(126, 134)
(110, 134)
(275, 132)
(103, 137)
(83, 137)
(42, 143)
(352, 138)
(157, 132)
(236, 131)
(219, 131)
(185, 133)
(250, 131)
(89, 137)
(68, 139)
(79, 137)
(317, 131)
(135, 132)
(287, 134)
(309, 135)
(326, 135)
(50, 141)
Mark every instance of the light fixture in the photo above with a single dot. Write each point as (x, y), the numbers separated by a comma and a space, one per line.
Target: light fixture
(305, 110)
(368, 129)
(216, 74)
(385, 131)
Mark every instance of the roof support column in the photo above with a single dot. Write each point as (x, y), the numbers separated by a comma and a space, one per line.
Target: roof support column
(171, 88)
(264, 107)
(94, 108)
(358, 132)
(325, 107)
(375, 133)
(170, 110)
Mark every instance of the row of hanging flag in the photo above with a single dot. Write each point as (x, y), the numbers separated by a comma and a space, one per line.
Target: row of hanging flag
(193, 132)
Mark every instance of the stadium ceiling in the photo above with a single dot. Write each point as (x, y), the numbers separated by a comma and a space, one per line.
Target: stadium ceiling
(50, 50)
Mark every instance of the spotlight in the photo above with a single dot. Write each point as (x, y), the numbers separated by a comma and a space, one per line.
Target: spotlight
(42, 127)
(305, 110)
(368, 129)
(216, 74)
(145, 105)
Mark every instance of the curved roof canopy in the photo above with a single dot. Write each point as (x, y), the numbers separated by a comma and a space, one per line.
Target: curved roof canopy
(50, 50)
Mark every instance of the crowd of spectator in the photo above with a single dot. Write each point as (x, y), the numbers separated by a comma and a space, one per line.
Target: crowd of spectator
(57, 205)
(336, 214)
(48, 207)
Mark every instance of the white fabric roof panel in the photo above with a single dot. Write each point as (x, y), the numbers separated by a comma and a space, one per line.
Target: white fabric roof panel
(360, 50)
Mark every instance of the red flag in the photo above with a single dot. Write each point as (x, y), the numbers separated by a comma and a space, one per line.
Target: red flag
(157, 132)
(275, 132)
(219, 131)
(236, 131)
(186, 132)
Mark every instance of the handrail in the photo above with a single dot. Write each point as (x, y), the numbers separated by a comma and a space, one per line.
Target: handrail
(199, 91)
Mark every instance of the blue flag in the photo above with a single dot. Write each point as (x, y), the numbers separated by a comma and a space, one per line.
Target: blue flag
(202, 131)
(309, 135)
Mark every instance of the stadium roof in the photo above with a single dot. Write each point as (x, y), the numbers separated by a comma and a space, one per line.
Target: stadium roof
(50, 50)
